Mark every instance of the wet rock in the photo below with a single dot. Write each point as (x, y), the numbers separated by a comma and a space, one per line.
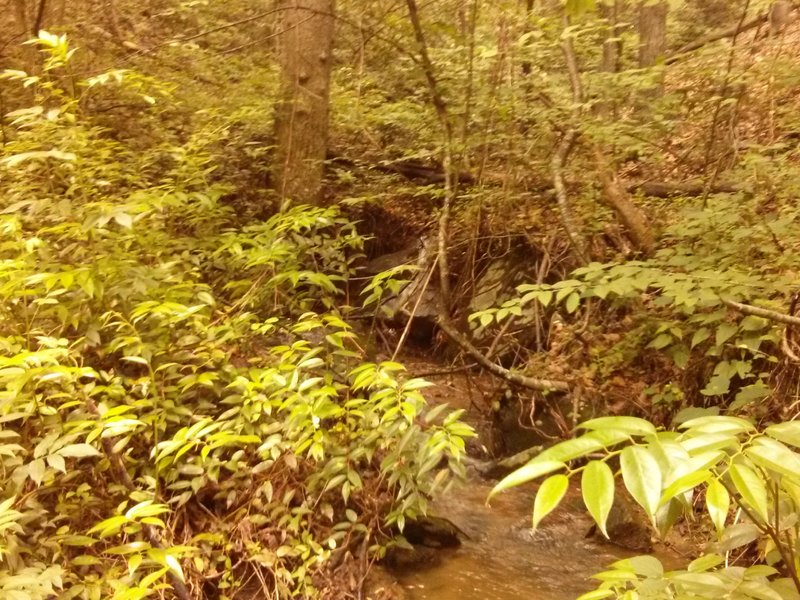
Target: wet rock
(423, 538)
(418, 301)
(627, 526)
(433, 532)
(409, 557)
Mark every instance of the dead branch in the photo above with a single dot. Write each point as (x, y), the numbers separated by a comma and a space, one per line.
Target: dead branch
(764, 313)
(618, 198)
(449, 168)
(532, 383)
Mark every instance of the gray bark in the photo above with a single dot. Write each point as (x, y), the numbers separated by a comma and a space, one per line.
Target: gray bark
(305, 48)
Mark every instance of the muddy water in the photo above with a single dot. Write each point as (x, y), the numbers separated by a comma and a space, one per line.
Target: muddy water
(503, 560)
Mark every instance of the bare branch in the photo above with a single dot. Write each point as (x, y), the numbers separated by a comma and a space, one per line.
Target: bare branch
(764, 313)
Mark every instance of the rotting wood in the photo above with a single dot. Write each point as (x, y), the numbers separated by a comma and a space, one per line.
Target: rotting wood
(618, 198)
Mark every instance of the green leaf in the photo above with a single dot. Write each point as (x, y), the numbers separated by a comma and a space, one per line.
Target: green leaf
(683, 484)
(642, 477)
(78, 451)
(57, 462)
(700, 336)
(573, 301)
(788, 432)
(577, 447)
(718, 503)
(622, 425)
(526, 473)
(772, 454)
(717, 424)
(36, 470)
(548, 497)
(725, 332)
(751, 488)
(647, 566)
(596, 595)
(597, 488)
(661, 341)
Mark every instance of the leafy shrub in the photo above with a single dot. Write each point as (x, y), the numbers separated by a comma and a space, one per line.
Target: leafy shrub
(173, 412)
(749, 481)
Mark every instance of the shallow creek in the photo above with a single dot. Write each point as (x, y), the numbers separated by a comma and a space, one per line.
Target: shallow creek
(503, 560)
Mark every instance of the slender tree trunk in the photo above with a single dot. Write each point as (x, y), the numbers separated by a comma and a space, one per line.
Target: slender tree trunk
(612, 45)
(653, 38)
(301, 120)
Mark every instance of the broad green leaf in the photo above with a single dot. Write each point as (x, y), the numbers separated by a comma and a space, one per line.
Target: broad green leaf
(661, 341)
(751, 488)
(596, 595)
(36, 470)
(771, 454)
(700, 336)
(548, 497)
(526, 473)
(788, 432)
(717, 424)
(647, 566)
(705, 563)
(622, 425)
(668, 514)
(704, 442)
(737, 535)
(577, 447)
(597, 488)
(718, 503)
(573, 301)
(725, 332)
(175, 566)
(642, 477)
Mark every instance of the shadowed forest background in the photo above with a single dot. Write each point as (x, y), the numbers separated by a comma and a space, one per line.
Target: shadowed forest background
(225, 227)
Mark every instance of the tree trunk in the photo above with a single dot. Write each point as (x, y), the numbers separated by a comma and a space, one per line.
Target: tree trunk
(301, 120)
(653, 38)
(652, 33)
(612, 45)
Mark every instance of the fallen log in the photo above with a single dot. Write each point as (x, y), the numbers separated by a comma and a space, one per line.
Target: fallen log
(668, 189)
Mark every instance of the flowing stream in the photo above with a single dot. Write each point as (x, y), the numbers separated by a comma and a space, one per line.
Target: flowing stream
(502, 559)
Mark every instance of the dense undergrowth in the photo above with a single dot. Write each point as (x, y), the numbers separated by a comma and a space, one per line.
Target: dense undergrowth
(185, 401)
(182, 404)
